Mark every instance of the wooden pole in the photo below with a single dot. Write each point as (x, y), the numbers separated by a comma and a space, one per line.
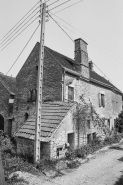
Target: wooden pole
(39, 87)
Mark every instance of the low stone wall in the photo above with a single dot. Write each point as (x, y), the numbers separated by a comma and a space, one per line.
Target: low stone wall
(26, 147)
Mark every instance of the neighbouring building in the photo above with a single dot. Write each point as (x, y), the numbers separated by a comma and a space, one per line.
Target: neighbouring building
(7, 93)
(65, 82)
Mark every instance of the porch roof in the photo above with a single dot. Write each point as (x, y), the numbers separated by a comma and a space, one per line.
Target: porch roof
(52, 115)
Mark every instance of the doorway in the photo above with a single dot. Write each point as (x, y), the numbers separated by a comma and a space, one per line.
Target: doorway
(70, 140)
(1, 123)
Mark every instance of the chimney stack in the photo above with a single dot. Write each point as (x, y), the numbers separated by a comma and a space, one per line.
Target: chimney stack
(81, 57)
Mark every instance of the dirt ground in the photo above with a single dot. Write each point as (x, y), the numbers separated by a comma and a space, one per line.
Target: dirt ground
(104, 168)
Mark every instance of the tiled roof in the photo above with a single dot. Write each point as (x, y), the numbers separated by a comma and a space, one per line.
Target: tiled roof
(70, 64)
(97, 77)
(8, 82)
(62, 59)
(52, 115)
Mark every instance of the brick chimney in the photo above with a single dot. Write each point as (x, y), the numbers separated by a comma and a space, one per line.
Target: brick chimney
(81, 57)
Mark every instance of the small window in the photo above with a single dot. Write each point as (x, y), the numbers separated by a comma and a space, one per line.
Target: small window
(94, 135)
(26, 116)
(32, 95)
(108, 123)
(101, 100)
(70, 93)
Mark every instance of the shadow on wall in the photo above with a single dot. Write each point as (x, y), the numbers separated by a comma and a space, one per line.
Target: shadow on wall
(120, 180)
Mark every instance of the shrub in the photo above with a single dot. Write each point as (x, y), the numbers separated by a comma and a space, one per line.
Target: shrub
(46, 164)
(70, 154)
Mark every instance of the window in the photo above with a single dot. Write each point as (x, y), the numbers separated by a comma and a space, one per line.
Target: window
(108, 123)
(26, 116)
(32, 95)
(101, 100)
(70, 93)
(94, 135)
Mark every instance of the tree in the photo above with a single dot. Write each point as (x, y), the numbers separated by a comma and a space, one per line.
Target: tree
(86, 111)
(119, 122)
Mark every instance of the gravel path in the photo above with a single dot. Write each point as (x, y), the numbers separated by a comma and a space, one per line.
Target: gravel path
(105, 168)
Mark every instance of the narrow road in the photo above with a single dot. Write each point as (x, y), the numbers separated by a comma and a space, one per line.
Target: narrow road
(106, 168)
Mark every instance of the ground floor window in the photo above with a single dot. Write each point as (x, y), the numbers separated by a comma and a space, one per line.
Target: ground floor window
(94, 135)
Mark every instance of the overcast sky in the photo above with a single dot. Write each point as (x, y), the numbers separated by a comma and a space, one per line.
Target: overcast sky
(98, 22)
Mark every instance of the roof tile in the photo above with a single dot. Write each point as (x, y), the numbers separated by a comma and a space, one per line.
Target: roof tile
(49, 122)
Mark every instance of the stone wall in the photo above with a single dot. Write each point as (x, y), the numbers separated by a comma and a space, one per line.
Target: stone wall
(90, 93)
(26, 147)
(26, 81)
(4, 104)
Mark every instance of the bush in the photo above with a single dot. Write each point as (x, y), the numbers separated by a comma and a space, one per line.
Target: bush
(46, 164)
(70, 154)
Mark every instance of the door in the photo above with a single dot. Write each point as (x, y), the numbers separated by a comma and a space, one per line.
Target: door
(71, 140)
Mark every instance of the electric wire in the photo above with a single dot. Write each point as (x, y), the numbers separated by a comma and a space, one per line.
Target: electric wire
(33, 25)
(23, 49)
(91, 39)
(19, 30)
(20, 20)
(68, 7)
(61, 27)
(59, 5)
(18, 26)
(73, 41)
(19, 34)
(53, 3)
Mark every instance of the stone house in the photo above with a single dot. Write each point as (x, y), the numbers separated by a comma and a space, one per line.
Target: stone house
(65, 81)
(7, 89)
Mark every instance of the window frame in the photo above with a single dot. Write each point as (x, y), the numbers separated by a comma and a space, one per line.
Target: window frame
(102, 99)
(73, 95)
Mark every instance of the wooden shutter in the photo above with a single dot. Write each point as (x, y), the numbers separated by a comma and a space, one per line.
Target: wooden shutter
(103, 100)
(99, 97)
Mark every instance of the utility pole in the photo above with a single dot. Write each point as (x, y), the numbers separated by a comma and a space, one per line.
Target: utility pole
(39, 86)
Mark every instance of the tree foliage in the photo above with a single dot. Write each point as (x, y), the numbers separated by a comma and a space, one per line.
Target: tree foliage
(119, 122)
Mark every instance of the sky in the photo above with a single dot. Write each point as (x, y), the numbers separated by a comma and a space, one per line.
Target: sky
(98, 22)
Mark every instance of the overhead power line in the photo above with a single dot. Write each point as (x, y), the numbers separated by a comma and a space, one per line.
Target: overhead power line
(18, 30)
(20, 20)
(61, 27)
(90, 38)
(68, 6)
(19, 26)
(59, 5)
(53, 3)
(23, 49)
(19, 34)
